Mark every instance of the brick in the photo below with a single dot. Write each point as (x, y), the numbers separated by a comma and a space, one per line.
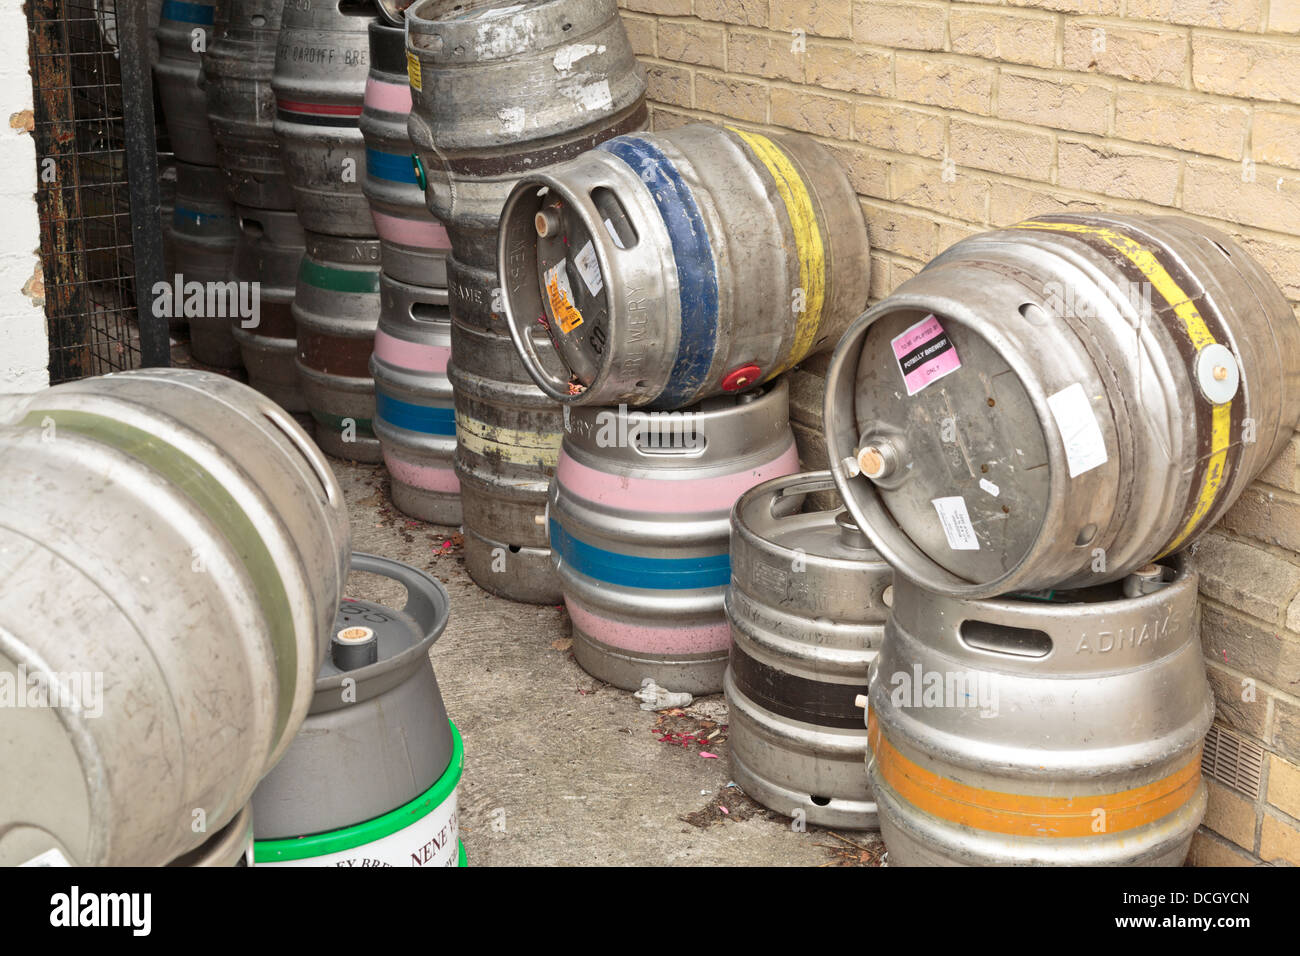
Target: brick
(1230, 814)
(966, 197)
(823, 18)
(807, 391)
(811, 443)
(1286, 727)
(1245, 717)
(890, 229)
(880, 285)
(738, 99)
(847, 68)
(1095, 8)
(1010, 203)
(1028, 38)
(903, 270)
(950, 233)
(662, 8)
(1284, 470)
(1019, 152)
(668, 84)
(1284, 785)
(1265, 516)
(1114, 170)
(1222, 14)
(1246, 578)
(948, 84)
(640, 33)
(811, 113)
(1280, 257)
(868, 173)
(1148, 55)
(1181, 121)
(899, 129)
(692, 42)
(1271, 655)
(1209, 849)
(1279, 841)
(1284, 16)
(1270, 202)
(1246, 67)
(749, 13)
(662, 119)
(1079, 105)
(904, 26)
(1275, 138)
(760, 55)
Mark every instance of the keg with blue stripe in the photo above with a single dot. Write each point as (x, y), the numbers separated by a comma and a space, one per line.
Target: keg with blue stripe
(319, 82)
(205, 230)
(184, 33)
(807, 607)
(372, 778)
(415, 245)
(639, 526)
(415, 420)
(668, 267)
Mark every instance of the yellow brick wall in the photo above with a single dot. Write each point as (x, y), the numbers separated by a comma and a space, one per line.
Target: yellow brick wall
(955, 117)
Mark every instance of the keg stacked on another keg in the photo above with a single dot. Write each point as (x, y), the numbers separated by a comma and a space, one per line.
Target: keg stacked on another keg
(415, 420)
(1029, 431)
(500, 90)
(319, 84)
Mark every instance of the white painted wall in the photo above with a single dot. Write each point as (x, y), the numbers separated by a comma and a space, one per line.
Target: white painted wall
(24, 348)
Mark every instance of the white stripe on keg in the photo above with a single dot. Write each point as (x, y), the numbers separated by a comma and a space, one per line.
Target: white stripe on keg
(411, 846)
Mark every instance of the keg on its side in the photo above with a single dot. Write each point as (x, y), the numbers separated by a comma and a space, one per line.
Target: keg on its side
(319, 81)
(232, 845)
(184, 32)
(639, 523)
(336, 311)
(173, 548)
(204, 234)
(1060, 402)
(415, 246)
(237, 72)
(371, 778)
(270, 250)
(668, 267)
(415, 419)
(807, 607)
(1042, 732)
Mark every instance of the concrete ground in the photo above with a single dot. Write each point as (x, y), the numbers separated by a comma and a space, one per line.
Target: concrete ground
(561, 768)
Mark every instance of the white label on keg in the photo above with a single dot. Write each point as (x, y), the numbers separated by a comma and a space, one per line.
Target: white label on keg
(987, 485)
(589, 268)
(51, 857)
(1085, 448)
(956, 523)
(613, 233)
(433, 840)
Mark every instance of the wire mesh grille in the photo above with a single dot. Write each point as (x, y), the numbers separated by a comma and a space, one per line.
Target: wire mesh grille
(83, 197)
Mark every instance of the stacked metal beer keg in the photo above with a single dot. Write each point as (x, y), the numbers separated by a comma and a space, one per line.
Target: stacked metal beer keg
(1029, 431)
(680, 272)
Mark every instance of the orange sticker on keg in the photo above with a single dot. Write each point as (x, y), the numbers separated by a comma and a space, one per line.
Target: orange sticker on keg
(560, 294)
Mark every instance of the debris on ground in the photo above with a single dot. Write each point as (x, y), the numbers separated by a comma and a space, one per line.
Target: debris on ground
(562, 644)
(654, 697)
(676, 726)
(867, 850)
(729, 806)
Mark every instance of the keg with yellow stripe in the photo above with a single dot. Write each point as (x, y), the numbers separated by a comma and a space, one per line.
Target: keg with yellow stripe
(669, 267)
(1060, 402)
(1060, 728)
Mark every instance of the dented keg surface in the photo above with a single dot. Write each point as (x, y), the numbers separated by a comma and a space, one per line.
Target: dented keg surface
(336, 311)
(507, 446)
(1059, 402)
(371, 778)
(1060, 731)
(232, 845)
(639, 523)
(807, 606)
(241, 106)
(415, 419)
(184, 33)
(218, 584)
(415, 246)
(204, 234)
(321, 63)
(502, 89)
(668, 267)
(269, 252)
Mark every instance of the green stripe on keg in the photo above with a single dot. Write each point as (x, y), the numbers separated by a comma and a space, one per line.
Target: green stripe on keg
(349, 838)
(224, 511)
(338, 280)
(365, 426)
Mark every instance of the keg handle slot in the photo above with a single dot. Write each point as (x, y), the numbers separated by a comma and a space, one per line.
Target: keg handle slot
(295, 437)
(789, 499)
(1005, 639)
(356, 8)
(682, 440)
(430, 312)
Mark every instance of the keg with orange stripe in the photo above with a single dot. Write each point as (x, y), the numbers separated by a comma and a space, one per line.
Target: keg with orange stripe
(1060, 402)
(1061, 728)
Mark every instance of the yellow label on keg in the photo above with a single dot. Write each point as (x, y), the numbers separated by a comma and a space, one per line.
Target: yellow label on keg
(560, 295)
(413, 71)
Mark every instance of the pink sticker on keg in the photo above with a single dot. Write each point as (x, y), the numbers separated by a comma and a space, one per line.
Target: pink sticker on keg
(925, 354)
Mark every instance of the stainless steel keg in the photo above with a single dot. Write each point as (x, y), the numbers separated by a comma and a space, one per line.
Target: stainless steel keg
(232, 845)
(1060, 402)
(807, 606)
(204, 234)
(639, 523)
(184, 32)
